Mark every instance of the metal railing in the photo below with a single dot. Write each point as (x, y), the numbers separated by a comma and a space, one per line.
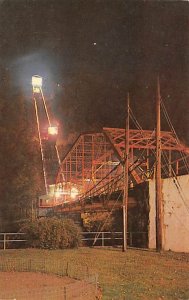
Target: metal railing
(108, 238)
(8, 237)
(102, 237)
(105, 238)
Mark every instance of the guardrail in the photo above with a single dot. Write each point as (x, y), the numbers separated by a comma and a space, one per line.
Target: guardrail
(6, 237)
(101, 238)
(105, 238)
(108, 238)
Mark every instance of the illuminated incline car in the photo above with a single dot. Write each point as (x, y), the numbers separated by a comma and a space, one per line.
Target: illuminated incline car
(37, 83)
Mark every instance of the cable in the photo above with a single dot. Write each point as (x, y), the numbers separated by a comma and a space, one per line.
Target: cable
(40, 142)
(175, 179)
(96, 237)
(50, 123)
(177, 184)
(135, 120)
(101, 180)
(46, 110)
(100, 229)
(173, 130)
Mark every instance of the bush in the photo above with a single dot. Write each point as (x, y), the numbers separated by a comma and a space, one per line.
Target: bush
(52, 233)
(98, 221)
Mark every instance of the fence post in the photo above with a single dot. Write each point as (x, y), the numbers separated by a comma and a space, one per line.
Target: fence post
(4, 241)
(67, 269)
(131, 239)
(29, 265)
(96, 284)
(102, 239)
(64, 293)
(87, 271)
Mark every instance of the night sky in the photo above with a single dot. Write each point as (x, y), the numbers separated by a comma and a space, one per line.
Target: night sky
(92, 52)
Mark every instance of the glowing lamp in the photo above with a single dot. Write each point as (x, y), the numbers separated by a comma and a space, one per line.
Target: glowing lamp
(52, 130)
(74, 193)
(58, 194)
(37, 83)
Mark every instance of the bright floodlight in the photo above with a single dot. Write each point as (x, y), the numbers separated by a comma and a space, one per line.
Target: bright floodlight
(37, 83)
(52, 130)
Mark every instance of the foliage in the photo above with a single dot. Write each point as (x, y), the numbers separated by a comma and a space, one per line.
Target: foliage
(103, 221)
(97, 221)
(52, 233)
(20, 174)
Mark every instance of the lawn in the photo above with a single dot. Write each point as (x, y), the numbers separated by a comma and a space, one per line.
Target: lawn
(132, 275)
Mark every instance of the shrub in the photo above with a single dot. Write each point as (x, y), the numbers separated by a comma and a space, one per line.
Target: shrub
(52, 233)
(98, 221)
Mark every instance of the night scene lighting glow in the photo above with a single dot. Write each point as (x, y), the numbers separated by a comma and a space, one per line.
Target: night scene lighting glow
(94, 133)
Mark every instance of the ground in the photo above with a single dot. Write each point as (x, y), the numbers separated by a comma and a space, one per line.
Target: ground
(38, 286)
(132, 275)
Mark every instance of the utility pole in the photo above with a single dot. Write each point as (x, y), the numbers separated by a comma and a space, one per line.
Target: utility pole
(126, 179)
(158, 172)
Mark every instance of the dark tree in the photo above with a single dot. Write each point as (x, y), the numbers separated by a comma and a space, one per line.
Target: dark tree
(20, 172)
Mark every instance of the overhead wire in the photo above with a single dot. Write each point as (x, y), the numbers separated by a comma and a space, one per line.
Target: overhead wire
(99, 230)
(50, 124)
(134, 119)
(137, 124)
(174, 132)
(176, 182)
(40, 143)
(175, 179)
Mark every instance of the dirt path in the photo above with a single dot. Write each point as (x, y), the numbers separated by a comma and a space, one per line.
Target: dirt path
(38, 286)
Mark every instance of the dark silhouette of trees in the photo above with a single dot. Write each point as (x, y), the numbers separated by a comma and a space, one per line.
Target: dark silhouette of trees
(20, 171)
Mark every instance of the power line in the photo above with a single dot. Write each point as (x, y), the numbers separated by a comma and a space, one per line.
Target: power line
(174, 132)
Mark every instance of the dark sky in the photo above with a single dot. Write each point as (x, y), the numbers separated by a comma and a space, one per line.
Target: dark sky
(92, 52)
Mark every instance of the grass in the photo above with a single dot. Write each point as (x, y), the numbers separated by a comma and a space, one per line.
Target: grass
(130, 276)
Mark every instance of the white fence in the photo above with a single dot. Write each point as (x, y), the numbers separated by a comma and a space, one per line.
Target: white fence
(8, 237)
(105, 238)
